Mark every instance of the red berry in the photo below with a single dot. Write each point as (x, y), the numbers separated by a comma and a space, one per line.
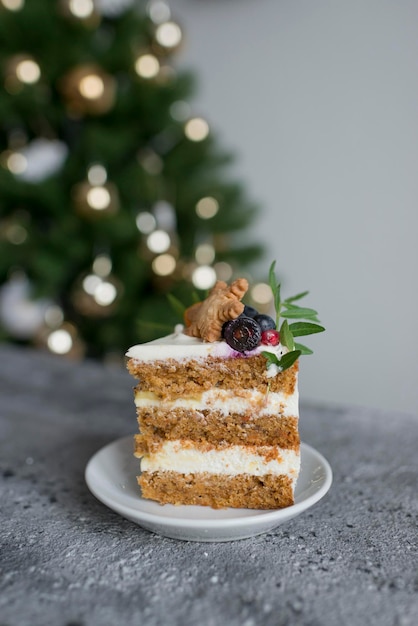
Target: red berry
(270, 337)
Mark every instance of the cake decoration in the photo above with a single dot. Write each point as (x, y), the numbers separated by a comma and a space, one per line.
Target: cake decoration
(217, 403)
(205, 319)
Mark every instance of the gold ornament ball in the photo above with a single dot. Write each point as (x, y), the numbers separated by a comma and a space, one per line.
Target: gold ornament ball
(88, 90)
(83, 11)
(95, 201)
(20, 70)
(96, 297)
(63, 340)
(167, 39)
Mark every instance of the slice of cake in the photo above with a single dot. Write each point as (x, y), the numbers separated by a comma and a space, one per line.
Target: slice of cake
(217, 407)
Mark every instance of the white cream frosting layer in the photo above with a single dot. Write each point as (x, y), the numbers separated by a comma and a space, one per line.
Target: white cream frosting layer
(227, 402)
(230, 461)
(179, 346)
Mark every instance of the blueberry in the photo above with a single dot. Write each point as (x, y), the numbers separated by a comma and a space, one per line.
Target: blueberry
(265, 322)
(242, 334)
(249, 311)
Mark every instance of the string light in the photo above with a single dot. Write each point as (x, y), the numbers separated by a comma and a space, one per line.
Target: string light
(105, 293)
(94, 200)
(204, 277)
(102, 265)
(91, 87)
(96, 175)
(28, 71)
(158, 11)
(59, 337)
(98, 198)
(145, 222)
(54, 316)
(81, 8)
(207, 207)
(205, 254)
(147, 66)
(21, 70)
(158, 241)
(97, 291)
(196, 129)
(261, 294)
(16, 162)
(88, 89)
(223, 271)
(164, 264)
(90, 283)
(168, 35)
(60, 341)
(13, 5)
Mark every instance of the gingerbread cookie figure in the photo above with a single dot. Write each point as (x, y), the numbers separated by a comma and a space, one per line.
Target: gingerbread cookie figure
(205, 319)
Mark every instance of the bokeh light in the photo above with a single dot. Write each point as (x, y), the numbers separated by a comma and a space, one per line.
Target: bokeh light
(207, 208)
(16, 162)
(60, 341)
(168, 34)
(204, 277)
(261, 294)
(158, 241)
(145, 222)
(205, 254)
(91, 86)
(28, 71)
(98, 198)
(81, 8)
(164, 264)
(147, 66)
(102, 265)
(196, 129)
(97, 175)
(13, 5)
(223, 271)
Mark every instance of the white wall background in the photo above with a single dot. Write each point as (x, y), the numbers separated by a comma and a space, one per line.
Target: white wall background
(319, 98)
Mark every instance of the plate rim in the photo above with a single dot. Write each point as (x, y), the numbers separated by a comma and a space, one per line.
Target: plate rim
(263, 516)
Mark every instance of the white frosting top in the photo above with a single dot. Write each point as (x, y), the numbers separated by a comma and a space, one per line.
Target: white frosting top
(179, 346)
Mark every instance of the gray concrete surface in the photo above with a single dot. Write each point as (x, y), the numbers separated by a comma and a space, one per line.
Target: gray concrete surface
(67, 560)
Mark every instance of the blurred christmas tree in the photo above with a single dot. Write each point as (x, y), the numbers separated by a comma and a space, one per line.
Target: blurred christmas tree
(112, 193)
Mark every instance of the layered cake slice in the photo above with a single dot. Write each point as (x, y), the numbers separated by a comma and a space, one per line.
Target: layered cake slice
(217, 408)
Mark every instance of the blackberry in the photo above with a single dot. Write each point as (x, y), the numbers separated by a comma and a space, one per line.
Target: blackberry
(242, 334)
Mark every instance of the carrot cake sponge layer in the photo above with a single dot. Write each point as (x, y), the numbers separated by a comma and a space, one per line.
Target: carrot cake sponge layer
(217, 427)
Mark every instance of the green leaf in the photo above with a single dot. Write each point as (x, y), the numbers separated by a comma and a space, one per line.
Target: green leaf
(275, 288)
(303, 349)
(285, 362)
(271, 358)
(288, 359)
(297, 297)
(177, 306)
(286, 336)
(299, 312)
(299, 329)
(272, 277)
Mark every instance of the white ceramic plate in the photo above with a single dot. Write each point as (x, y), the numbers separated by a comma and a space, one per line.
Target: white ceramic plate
(111, 477)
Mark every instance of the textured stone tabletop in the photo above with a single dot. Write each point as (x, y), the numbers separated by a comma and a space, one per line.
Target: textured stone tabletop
(67, 560)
